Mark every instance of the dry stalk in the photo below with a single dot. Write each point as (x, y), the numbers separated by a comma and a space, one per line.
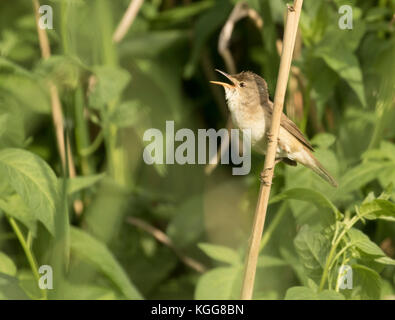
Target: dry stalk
(163, 238)
(56, 106)
(127, 20)
(293, 15)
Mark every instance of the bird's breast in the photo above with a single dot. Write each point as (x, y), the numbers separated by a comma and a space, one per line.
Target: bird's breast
(249, 117)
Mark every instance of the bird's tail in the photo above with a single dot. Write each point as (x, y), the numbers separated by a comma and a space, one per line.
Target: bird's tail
(319, 169)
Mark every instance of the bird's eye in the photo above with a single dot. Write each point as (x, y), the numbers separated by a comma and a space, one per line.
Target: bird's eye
(242, 84)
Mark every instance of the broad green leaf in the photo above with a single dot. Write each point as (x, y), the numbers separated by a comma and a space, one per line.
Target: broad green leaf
(378, 208)
(366, 282)
(110, 84)
(216, 284)
(26, 91)
(360, 175)
(323, 140)
(300, 293)
(15, 207)
(315, 197)
(305, 293)
(347, 66)
(79, 183)
(64, 71)
(220, 253)
(269, 261)
(330, 295)
(386, 261)
(34, 181)
(12, 126)
(126, 114)
(363, 243)
(312, 248)
(7, 266)
(96, 253)
(10, 288)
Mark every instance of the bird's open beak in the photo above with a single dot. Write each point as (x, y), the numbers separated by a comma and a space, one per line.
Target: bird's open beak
(224, 84)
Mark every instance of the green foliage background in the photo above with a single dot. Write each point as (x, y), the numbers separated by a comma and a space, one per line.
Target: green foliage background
(341, 95)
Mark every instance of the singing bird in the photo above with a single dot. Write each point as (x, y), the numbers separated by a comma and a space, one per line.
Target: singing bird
(248, 101)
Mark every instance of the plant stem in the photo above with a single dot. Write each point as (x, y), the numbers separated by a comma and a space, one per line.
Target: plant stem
(335, 243)
(82, 133)
(293, 15)
(29, 254)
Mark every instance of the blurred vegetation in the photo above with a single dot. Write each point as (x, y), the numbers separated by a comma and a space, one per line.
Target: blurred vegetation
(171, 231)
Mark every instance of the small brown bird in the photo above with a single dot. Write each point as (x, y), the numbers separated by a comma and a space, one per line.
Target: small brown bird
(248, 101)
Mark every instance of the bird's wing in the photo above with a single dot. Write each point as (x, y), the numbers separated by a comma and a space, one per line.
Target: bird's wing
(291, 127)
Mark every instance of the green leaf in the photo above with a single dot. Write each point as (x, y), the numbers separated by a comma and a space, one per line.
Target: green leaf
(378, 208)
(12, 130)
(323, 140)
(79, 183)
(10, 288)
(347, 66)
(110, 84)
(217, 284)
(64, 71)
(305, 293)
(7, 266)
(15, 207)
(220, 253)
(96, 253)
(309, 195)
(126, 114)
(366, 282)
(385, 260)
(269, 261)
(34, 181)
(34, 96)
(312, 248)
(360, 175)
(300, 293)
(363, 243)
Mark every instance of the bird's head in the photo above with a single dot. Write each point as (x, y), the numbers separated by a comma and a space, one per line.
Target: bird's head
(245, 86)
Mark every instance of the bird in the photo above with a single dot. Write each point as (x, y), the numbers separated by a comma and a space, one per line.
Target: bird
(250, 107)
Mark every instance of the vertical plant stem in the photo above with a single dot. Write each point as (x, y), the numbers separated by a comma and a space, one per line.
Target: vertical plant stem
(115, 152)
(293, 14)
(81, 127)
(28, 252)
(57, 115)
(82, 133)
